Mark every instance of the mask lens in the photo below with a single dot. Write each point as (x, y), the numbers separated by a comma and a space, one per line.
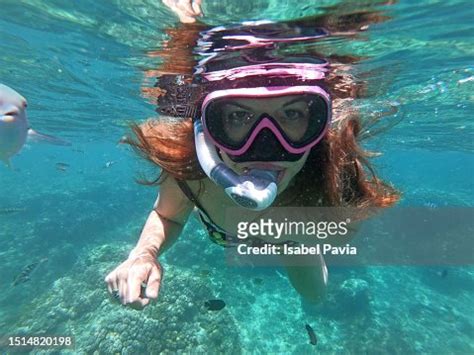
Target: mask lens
(300, 118)
(302, 126)
(230, 122)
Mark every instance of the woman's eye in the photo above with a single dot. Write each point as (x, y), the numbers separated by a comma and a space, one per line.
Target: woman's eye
(240, 117)
(293, 115)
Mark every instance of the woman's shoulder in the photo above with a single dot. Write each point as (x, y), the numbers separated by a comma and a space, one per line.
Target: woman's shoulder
(183, 189)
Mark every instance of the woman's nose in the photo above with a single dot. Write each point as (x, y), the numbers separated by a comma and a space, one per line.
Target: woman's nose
(267, 143)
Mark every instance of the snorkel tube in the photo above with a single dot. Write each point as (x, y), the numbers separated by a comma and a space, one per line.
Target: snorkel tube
(254, 190)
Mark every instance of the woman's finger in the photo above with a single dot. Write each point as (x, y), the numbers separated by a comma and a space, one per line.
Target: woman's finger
(109, 287)
(153, 284)
(134, 286)
(180, 6)
(184, 18)
(144, 301)
(123, 290)
(197, 7)
(112, 287)
(140, 303)
(186, 7)
(183, 8)
(111, 281)
(114, 283)
(108, 281)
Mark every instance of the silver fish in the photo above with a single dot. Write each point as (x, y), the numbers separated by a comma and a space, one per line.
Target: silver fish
(24, 275)
(11, 210)
(62, 166)
(14, 125)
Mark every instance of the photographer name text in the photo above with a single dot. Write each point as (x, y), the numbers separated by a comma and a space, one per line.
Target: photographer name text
(301, 249)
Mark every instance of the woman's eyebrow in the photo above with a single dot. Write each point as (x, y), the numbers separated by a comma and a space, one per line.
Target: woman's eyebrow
(233, 103)
(297, 99)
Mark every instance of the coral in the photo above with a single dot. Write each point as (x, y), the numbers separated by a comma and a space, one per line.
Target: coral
(354, 295)
(178, 322)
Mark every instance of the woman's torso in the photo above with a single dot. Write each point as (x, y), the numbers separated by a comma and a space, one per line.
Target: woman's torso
(222, 211)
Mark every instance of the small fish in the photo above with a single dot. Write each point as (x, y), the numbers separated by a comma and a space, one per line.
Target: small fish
(11, 210)
(109, 164)
(443, 273)
(62, 166)
(430, 205)
(205, 272)
(24, 275)
(312, 336)
(214, 305)
(258, 281)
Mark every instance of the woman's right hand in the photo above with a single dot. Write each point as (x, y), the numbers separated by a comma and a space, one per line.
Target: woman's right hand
(187, 10)
(138, 272)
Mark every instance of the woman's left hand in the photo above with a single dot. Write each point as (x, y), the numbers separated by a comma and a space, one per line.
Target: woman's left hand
(187, 10)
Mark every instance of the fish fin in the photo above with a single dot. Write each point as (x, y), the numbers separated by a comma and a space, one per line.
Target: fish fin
(40, 137)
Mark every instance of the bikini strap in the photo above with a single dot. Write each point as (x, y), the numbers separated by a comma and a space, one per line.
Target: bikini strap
(183, 185)
(216, 234)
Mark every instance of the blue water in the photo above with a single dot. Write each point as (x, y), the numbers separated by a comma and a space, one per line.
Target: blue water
(81, 66)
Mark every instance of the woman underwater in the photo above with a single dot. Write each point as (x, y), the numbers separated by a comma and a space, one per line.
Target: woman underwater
(250, 129)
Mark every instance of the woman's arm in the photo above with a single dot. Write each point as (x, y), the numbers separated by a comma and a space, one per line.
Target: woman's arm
(162, 228)
(166, 221)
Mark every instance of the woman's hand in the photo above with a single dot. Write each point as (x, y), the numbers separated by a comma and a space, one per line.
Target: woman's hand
(187, 10)
(136, 274)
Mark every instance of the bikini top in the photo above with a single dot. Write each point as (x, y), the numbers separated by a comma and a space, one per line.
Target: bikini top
(216, 233)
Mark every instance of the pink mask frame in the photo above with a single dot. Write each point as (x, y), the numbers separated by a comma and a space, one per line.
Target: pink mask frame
(266, 123)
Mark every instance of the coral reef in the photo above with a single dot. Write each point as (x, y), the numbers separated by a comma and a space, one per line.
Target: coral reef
(178, 322)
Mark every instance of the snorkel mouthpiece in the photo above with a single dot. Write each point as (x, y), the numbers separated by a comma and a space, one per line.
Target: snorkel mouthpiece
(254, 190)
